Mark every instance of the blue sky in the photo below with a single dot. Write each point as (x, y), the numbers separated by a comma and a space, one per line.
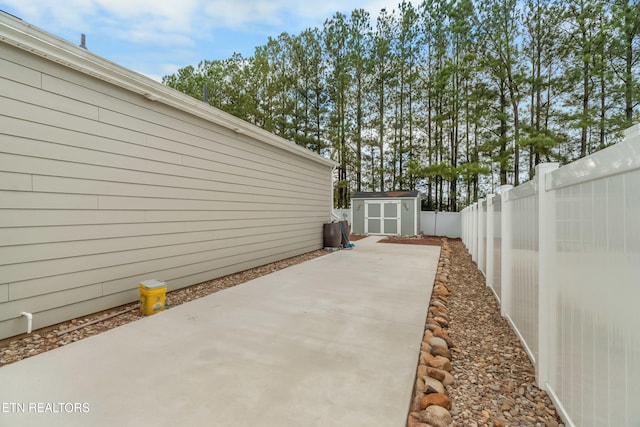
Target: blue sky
(156, 37)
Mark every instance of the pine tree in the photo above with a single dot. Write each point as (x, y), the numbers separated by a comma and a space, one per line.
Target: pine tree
(336, 34)
(381, 65)
(625, 55)
(436, 96)
(310, 90)
(541, 44)
(358, 45)
(581, 56)
(502, 31)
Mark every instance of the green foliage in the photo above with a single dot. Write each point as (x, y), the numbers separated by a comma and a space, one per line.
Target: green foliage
(440, 96)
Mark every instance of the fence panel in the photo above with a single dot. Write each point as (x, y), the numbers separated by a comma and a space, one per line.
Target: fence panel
(523, 302)
(595, 355)
(447, 224)
(563, 253)
(496, 282)
(466, 228)
(474, 232)
(482, 236)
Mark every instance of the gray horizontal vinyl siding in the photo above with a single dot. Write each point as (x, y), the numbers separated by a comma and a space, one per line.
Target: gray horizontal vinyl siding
(101, 188)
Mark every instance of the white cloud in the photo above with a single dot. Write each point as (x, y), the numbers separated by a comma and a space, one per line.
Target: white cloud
(170, 21)
(145, 35)
(174, 16)
(240, 13)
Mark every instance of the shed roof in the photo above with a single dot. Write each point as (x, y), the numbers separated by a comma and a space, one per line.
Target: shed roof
(384, 194)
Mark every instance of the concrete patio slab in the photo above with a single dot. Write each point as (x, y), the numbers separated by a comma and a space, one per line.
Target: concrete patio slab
(330, 342)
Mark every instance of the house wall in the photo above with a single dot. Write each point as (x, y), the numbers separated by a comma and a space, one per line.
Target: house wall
(101, 188)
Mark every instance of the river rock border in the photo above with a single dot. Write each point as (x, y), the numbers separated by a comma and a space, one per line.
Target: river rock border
(430, 403)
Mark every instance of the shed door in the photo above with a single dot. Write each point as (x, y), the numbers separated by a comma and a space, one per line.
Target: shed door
(382, 217)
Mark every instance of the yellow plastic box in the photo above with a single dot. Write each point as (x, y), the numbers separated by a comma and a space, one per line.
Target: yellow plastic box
(152, 296)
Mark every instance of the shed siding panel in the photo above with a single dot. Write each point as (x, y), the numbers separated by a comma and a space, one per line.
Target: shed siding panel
(409, 209)
(408, 218)
(358, 216)
(101, 188)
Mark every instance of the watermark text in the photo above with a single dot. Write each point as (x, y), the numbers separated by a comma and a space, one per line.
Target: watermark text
(44, 407)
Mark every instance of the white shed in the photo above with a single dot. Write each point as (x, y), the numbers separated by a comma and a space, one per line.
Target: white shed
(395, 213)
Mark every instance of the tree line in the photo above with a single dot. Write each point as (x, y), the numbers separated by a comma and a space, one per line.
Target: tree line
(452, 98)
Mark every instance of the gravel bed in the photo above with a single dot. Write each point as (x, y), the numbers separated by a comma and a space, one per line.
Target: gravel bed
(20, 347)
(495, 380)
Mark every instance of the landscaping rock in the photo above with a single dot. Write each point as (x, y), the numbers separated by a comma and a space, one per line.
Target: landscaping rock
(441, 321)
(437, 303)
(435, 341)
(439, 362)
(427, 358)
(435, 373)
(432, 385)
(422, 370)
(499, 422)
(416, 402)
(440, 413)
(433, 326)
(439, 399)
(428, 334)
(441, 351)
(494, 379)
(414, 421)
(448, 379)
(441, 333)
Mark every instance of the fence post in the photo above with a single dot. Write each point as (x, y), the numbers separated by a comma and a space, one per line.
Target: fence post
(463, 221)
(505, 250)
(482, 226)
(546, 257)
(467, 214)
(490, 232)
(474, 232)
(465, 227)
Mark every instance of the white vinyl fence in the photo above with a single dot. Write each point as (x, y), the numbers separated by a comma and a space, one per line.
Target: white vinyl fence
(562, 255)
(440, 223)
(431, 223)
